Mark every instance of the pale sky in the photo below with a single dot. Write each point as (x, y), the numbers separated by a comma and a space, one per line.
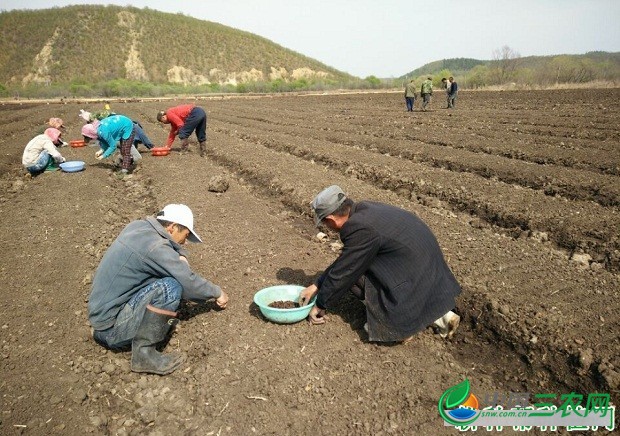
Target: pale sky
(389, 38)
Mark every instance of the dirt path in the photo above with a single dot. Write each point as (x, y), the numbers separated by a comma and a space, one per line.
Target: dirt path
(539, 316)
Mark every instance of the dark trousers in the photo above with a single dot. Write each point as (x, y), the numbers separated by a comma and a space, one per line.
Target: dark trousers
(426, 99)
(410, 103)
(359, 288)
(196, 120)
(451, 100)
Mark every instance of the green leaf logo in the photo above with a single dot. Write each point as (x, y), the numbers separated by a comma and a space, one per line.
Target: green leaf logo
(449, 404)
(456, 395)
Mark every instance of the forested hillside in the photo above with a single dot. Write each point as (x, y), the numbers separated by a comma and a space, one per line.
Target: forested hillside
(87, 45)
(508, 67)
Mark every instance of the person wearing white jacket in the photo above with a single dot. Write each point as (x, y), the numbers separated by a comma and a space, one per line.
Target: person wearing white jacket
(40, 150)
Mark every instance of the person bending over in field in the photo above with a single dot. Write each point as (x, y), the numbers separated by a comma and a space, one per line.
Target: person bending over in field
(109, 131)
(183, 121)
(139, 284)
(140, 136)
(392, 262)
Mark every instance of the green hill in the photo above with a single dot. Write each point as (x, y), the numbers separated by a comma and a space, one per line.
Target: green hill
(528, 71)
(84, 45)
(457, 66)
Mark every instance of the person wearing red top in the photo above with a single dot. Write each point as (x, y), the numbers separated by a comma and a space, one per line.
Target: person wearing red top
(183, 121)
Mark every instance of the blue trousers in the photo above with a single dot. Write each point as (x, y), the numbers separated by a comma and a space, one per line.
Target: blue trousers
(196, 120)
(410, 103)
(163, 293)
(141, 137)
(39, 166)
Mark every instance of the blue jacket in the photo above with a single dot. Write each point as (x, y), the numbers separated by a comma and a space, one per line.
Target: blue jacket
(111, 130)
(141, 254)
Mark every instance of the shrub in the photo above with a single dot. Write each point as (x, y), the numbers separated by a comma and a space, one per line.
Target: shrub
(373, 81)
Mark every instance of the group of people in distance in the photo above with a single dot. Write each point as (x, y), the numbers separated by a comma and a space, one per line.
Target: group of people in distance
(426, 91)
(391, 261)
(115, 132)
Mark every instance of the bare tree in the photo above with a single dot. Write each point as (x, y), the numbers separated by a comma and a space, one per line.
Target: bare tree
(505, 63)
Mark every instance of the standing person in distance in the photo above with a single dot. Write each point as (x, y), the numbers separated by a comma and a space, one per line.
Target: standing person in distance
(426, 91)
(184, 120)
(446, 86)
(453, 89)
(410, 95)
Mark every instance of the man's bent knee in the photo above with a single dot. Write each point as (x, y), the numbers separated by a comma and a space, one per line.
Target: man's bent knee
(167, 294)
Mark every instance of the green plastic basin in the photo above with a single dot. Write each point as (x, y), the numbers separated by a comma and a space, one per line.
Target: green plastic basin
(266, 296)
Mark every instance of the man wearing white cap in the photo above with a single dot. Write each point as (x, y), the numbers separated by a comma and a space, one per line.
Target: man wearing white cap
(390, 260)
(139, 285)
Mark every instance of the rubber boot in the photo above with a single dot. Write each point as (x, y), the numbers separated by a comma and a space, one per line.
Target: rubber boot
(185, 145)
(203, 149)
(144, 356)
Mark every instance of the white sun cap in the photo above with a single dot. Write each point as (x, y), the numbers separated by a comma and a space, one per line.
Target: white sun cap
(180, 214)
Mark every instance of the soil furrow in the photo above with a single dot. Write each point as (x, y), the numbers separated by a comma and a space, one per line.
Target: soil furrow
(283, 176)
(534, 318)
(570, 183)
(573, 153)
(568, 224)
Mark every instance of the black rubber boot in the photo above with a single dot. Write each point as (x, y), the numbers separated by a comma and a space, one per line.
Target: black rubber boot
(144, 356)
(185, 145)
(203, 149)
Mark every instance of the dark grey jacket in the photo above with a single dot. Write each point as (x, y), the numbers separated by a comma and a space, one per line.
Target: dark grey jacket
(408, 283)
(141, 254)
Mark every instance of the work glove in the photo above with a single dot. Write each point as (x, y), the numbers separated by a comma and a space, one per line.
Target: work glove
(99, 155)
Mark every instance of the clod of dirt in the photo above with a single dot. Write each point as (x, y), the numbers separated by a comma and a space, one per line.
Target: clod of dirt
(88, 279)
(540, 236)
(582, 259)
(336, 246)
(284, 304)
(586, 358)
(611, 376)
(322, 236)
(17, 185)
(218, 184)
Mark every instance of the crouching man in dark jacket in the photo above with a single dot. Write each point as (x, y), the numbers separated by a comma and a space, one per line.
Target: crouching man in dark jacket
(139, 285)
(391, 260)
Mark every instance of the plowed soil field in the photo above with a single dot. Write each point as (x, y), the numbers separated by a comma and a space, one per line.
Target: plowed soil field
(522, 190)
